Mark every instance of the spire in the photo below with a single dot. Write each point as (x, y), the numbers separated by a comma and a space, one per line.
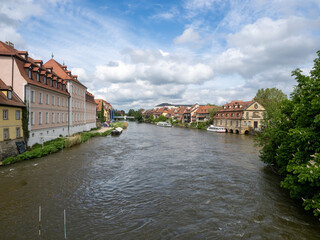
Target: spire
(63, 63)
(52, 55)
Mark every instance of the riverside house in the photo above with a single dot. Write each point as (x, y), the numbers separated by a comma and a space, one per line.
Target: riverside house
(54, 110)
(106, 107)
(240, 117)
(203, 113)
(10, 121)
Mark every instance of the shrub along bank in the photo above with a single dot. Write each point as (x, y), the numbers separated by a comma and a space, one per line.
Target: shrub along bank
(53, 146)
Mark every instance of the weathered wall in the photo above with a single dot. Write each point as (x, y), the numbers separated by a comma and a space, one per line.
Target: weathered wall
(9, 148)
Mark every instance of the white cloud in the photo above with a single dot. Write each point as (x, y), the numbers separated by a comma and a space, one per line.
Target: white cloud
(188, 36)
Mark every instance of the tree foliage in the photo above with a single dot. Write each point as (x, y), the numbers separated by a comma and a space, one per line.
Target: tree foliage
(270, 98)
(290, 142)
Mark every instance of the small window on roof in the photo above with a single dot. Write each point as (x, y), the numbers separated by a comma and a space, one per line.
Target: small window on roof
(9, 95)
(38, 77)
(30, 73)
(45, 79)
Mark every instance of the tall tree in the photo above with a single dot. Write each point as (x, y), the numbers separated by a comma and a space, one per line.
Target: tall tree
(270, 99)
(291, 140)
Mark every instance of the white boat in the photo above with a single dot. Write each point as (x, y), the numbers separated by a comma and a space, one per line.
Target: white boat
(164, 124)
(216, 129)
(117, 131)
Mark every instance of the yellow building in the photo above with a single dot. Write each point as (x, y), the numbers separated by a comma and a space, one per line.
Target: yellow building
(10, 121)
(240, 117)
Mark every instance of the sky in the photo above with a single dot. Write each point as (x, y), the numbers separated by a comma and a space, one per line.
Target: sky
(137, 54)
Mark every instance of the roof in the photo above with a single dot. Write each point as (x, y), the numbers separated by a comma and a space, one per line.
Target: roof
(233, 110)
(15, 101)
(90, 97)
(23, 63)
(204, 109)
(99, 103)
(62, 71)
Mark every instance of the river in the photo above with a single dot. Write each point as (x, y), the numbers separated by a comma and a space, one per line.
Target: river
(151, 183)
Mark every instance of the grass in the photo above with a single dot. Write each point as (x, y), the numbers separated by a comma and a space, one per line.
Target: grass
(55, 145)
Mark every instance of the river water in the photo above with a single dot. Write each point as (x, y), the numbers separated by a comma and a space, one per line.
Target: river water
(151, 183)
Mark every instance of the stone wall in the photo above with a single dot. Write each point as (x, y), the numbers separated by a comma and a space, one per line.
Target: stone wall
(9, 148)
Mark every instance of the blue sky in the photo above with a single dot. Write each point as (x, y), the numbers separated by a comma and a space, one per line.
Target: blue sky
(136, 54)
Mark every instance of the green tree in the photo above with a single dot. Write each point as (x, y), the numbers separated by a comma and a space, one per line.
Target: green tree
(290, 142)
(212, 113)
(270, 98)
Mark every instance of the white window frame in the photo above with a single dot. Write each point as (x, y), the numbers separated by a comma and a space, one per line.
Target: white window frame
(52, 119)
(47, 99)
(32, 118)
(40, 118)
(18, 114)
(47, 117)
(40, 97)
(53, 100)
(32, 96)
(58, 117)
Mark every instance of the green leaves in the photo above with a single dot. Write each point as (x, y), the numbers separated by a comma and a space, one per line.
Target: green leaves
(291, 143)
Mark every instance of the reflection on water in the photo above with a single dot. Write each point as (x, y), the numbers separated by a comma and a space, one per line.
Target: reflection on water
(152, 183)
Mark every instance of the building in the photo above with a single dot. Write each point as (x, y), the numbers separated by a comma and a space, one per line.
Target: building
(78, 118)
(44, 92)
(103, 105)
(11, 130)
(55, 99)
(189, 114)
(203, 113)
(240, 117)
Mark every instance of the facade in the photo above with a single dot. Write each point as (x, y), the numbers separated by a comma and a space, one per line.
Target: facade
(203, 113)
(90, 115)
(11, 130)
(240, 117)
(54, 110)
(106, 107)
(78, 99)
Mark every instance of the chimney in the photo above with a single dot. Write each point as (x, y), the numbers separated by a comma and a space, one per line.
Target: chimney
(10, 44)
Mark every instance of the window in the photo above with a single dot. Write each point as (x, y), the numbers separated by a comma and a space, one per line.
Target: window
(237, 123)
(9, 95)
(249, 123)
(38, 77)
(5, 114)
(62, 102)
(256, 106)
(247, 114)
(244, 123)
(58, 117)
(58, 101)
(62, 117)
(30, 73)
(32, 118)
(40, 118)
(40, 97)
(52, 100)
(47, 99)
(32, 96)
(52, 120)
(45, 79)
(67, 117)
(72, 117)
(17, 114)
(220, 122)
(6, 133)
(50, 81)
(232, 114)
(47, 117)
(230, 123)
(18, 132)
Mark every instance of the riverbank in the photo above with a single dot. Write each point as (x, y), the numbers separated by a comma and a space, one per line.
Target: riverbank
(56, 145)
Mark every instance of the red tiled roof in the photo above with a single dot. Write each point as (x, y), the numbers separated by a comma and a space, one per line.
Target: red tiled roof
(58, 69)
(22, 63)
(90, 97)
(204, 109)
(14, 101)
(99, 103)
(233, 110)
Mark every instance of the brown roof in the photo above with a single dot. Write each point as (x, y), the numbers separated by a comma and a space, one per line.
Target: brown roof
(204, 109)
(60, 71)
(99, 103)
(22, 63)
(233, 110)
(4, 100)
(90, 97)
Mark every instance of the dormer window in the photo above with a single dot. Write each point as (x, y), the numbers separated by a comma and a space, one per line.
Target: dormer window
(50, 81)
(45, 79)
(56, 84)
(9, 95)
(229, 106)
(30, 73)
(38, 76)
